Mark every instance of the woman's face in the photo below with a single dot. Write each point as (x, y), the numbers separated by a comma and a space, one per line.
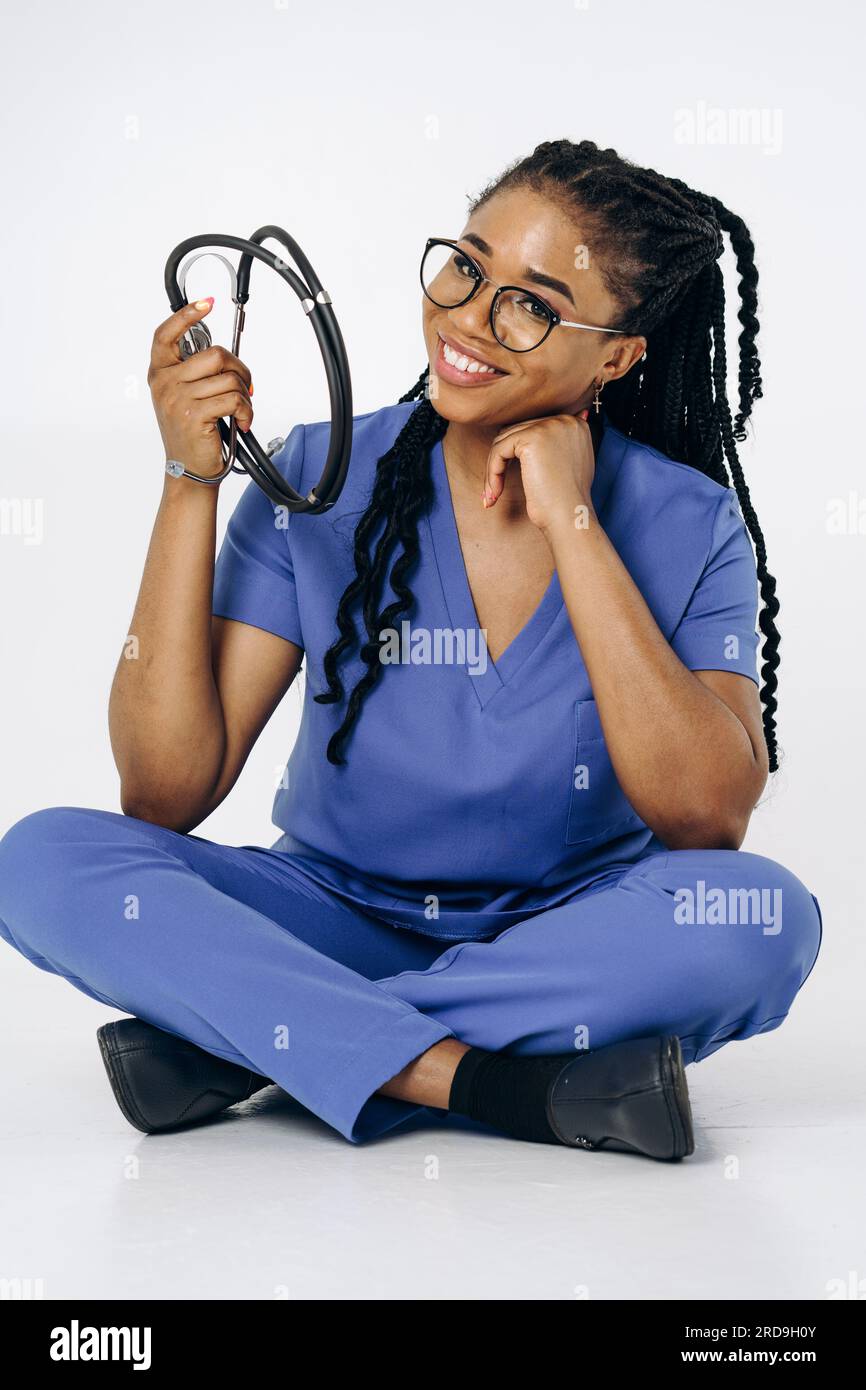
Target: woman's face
(525, 231)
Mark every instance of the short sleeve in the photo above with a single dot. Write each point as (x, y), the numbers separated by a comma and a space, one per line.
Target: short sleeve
(254, 579)
(718, 632)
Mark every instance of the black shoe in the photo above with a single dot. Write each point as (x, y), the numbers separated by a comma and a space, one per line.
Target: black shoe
(630, 1096)
(163, 1082)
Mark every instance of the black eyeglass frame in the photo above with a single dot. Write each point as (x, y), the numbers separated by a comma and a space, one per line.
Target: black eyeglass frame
(554, 319)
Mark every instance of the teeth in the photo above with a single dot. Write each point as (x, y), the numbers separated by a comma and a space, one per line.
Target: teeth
(462, 362)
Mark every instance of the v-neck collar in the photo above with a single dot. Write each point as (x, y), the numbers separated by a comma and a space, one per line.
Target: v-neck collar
(462, 615)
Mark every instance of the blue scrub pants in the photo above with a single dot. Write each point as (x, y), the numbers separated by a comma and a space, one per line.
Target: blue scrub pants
(235, 949)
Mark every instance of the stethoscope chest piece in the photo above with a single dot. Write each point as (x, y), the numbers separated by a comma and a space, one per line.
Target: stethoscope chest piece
(316, 304)
(195, 339)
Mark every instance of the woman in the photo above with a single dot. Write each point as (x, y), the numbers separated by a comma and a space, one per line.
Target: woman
(509, 882)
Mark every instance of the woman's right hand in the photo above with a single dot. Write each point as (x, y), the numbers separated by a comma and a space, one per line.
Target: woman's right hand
(191, 394)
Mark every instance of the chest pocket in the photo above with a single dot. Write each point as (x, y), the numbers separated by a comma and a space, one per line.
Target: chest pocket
(598, 809)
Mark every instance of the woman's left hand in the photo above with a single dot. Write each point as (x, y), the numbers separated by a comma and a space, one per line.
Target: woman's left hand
(557, 466)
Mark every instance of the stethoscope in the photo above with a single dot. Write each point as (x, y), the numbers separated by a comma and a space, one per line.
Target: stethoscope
(316, 303)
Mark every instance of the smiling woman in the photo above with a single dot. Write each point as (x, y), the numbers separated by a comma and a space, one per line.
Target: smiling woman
(472, 902)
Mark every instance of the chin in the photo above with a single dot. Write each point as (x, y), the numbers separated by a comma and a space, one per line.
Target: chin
(454, 404)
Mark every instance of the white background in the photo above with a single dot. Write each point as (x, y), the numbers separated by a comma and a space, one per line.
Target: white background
(363, 129)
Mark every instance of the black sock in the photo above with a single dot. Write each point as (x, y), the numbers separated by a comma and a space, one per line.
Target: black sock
(508, 1093)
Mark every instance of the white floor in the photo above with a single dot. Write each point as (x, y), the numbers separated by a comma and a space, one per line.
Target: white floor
(270, 1203)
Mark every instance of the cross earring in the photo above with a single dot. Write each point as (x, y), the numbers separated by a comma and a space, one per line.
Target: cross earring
(596, 400)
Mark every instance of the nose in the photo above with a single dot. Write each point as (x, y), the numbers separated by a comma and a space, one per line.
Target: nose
(475, 314)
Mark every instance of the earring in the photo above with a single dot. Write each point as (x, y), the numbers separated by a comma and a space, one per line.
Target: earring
(596, 400)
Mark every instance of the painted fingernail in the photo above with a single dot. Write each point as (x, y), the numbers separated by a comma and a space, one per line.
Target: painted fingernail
(251, 388)
(203, 303)
(584, 414)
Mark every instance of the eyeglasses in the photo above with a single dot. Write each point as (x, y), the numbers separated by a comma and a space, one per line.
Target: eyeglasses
(519, 320)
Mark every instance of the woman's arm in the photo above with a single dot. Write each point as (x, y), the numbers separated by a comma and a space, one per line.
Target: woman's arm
(687, 747)
(191, 692)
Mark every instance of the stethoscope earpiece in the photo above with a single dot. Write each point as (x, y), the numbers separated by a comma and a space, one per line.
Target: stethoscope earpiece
(316, 303)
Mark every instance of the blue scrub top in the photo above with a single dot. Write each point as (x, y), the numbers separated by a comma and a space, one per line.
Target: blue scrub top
(475, 793)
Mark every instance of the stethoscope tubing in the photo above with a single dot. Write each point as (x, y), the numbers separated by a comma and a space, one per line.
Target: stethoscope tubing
(316, 303)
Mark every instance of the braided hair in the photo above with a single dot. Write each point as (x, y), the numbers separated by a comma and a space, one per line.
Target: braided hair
(657, 243)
